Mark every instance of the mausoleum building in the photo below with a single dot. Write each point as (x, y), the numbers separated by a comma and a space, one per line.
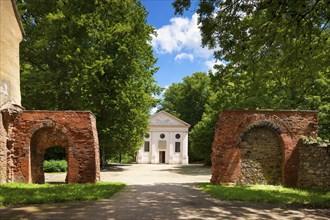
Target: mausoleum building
(166, 142)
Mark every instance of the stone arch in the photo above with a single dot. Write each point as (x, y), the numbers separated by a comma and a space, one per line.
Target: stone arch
(42, 139)
(259, 124)
(284, 130)
(257, 120)
(261, 150)
(74, 131)
(288, 126)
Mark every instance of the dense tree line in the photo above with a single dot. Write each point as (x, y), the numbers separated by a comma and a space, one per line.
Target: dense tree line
(91, 55)
(187, 101)
(277, 55)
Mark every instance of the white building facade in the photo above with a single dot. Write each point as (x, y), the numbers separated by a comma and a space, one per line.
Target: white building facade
(166, 142)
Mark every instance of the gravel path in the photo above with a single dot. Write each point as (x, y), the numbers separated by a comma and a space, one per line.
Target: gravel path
(159, 192)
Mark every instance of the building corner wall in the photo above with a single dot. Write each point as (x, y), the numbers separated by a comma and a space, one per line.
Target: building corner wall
(10, 37)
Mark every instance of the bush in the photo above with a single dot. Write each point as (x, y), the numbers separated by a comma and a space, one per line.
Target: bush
(53, 166)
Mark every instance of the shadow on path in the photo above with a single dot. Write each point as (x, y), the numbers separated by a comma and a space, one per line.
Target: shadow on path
(160, 201)
(190, 170)
(115, 167)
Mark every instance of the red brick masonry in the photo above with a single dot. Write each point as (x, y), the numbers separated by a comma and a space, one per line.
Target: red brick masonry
(233, 124)
(34, 131)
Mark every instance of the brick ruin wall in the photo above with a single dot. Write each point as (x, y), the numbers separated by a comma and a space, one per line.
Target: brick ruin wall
(30, 133)
(314, 166)
(260, 146)
(3, 152)
(261, 151)
(8, 112)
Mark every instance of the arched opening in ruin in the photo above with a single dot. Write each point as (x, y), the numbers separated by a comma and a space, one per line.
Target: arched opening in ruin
(55, 165)
(261, 155)
(43, 139)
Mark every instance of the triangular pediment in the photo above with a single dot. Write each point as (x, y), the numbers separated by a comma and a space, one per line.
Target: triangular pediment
(163, 118)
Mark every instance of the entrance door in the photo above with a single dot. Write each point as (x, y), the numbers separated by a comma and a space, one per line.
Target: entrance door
(161, 156)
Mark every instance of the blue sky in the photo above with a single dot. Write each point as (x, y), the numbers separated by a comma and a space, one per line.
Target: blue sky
(177, 45)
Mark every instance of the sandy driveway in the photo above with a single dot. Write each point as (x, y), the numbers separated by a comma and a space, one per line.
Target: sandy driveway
(146, 174)
(159, 192)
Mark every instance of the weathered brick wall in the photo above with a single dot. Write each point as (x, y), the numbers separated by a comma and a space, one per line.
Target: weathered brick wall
(261, 156)
(3, 152)
(233, 124)
(8, 113)
(38, 130)
(314, 166)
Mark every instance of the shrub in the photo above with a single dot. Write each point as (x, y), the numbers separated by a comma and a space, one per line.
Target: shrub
(53, 166)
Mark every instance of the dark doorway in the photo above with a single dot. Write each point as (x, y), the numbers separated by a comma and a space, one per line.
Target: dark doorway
(161, 156)
(42, 139)
(55, 165)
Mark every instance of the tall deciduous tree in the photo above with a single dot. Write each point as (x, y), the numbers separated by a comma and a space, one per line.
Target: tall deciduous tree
(187, 99)
(91, 55)
(277, 55)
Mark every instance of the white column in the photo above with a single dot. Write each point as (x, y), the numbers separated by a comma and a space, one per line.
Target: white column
(170, 148)
(185, 149)
(153, 147)
(139, 158)
(153, 153)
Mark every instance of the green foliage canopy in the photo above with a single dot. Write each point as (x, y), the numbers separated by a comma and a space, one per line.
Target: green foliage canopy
(187, 99)
(91, 55)
(277, 55)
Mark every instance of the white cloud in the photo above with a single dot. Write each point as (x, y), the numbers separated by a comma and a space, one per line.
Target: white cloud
(182, 56)
(153, 110)
(164, 90)
(210, 64)
(182, 35)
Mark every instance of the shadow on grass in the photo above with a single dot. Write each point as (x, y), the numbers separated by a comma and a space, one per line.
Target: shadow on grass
(56, 183)
(270, 194)
(16, 194)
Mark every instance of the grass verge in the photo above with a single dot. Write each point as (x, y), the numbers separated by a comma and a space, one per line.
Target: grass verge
(269, 194)
(19, 193)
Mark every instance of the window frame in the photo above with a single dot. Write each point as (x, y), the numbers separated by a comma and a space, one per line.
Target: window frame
(177, 147)
(145, 146)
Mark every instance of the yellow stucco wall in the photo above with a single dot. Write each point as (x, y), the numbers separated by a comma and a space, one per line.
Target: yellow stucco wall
(10, 37)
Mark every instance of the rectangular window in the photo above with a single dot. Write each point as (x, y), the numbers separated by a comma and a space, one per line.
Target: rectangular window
(146, 146)
(177, 147)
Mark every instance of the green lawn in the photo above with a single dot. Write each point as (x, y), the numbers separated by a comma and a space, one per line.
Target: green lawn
(269, 194)
(18, 193)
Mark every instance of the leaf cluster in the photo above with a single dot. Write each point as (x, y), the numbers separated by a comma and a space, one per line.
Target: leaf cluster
(187, 99)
